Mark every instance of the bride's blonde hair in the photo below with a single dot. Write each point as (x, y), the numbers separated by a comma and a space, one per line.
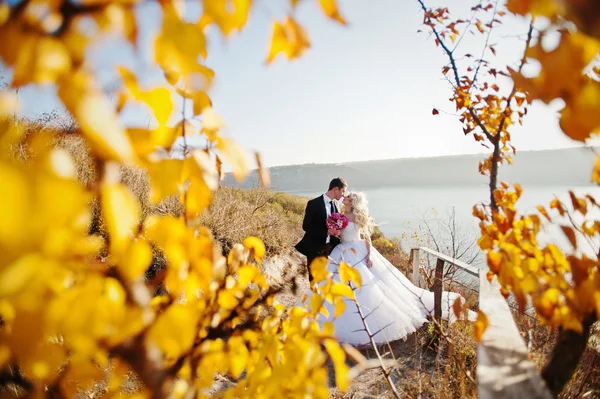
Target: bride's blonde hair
(360, 211)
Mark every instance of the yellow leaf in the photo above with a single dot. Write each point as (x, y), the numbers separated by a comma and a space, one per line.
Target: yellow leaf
(121, 213)
(342, 289)
(238, 356)
(348, 273)
(596, 171)
(160, 102)
(561, 73)
(556, 204)
(14, 208)
(256, 247)
(570, 322)
(338, 357)
(457, 308)
(185, 128)
(166, 178)
(548, 302)
(288, 38)
(328, 328)
(4, 13)
(315, 303)
(9, 103)
(481, 325)
(246, 274)
(211, 123)
(137, 260)
(235, 156)
(47, 62)
(229, 15)
(81, 374)
(175, 330)
(97, 120)
(219, 167)
(263, 173)
(579, 118)
(535, 7)
(485, 242)
(201, 102)
(318, 269)
(178, 48)
(331, 10)
(17, 275)
(141, 140)
(340, 306)
(570, 233)
(202, 180)
(227, 299)
(118, 19)
(543, 211)
(494, 260)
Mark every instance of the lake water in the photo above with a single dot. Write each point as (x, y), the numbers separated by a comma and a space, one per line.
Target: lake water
(403, 211)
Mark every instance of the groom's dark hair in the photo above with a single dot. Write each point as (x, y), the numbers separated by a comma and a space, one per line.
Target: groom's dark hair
(337, 182)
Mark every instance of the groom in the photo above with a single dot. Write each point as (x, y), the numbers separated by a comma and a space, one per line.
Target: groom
(318, 240)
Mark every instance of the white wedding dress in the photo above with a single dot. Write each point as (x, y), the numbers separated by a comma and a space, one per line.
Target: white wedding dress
(393, 306)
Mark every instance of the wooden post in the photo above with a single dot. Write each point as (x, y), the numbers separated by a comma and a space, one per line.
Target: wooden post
(438, 287)
(414, 254)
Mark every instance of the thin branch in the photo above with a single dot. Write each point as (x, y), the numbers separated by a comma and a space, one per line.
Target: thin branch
(257, 207)
(467, 27)
(185, 152)
(487, 40)
(506, 115)
(384, 370)
(457, 85)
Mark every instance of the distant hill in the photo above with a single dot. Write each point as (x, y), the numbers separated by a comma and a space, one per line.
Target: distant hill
(561, 167)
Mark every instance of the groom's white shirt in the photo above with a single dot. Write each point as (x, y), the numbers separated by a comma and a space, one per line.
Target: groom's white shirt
(328, 210)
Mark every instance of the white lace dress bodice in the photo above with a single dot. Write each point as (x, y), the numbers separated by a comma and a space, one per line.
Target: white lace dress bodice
(350, 234)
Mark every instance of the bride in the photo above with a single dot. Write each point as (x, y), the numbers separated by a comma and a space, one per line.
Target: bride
(395, 308)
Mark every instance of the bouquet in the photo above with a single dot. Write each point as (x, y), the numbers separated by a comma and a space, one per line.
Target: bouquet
(337, 221)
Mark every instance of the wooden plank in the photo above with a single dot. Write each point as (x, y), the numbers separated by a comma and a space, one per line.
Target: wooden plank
(416, 262)
(504, 370)
(438, 287)
(451, 261)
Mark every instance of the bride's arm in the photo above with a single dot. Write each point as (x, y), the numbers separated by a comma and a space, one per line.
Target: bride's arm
(369, 262)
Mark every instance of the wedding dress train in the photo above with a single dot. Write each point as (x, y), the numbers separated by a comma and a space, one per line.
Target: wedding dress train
(393, 306)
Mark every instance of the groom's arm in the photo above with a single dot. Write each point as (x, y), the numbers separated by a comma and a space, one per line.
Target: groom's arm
(308, 217)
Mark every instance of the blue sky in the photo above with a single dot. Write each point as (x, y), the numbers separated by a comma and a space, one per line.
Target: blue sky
(361, 92)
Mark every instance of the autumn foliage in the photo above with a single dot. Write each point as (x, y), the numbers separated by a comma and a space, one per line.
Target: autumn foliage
(75, 305)
(564, 286)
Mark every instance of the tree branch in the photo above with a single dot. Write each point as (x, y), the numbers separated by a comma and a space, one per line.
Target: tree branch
(450, 55)
(565, 356)
(506, 114)
(487, 40)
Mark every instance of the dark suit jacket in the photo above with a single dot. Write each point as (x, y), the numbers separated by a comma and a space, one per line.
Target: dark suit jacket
(315, 228)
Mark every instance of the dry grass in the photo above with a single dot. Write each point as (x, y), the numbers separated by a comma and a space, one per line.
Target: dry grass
(275, 218)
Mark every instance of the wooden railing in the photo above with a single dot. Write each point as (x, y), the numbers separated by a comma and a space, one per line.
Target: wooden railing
(503, 366)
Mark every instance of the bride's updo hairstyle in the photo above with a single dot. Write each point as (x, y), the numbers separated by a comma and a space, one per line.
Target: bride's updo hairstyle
(360, 210)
